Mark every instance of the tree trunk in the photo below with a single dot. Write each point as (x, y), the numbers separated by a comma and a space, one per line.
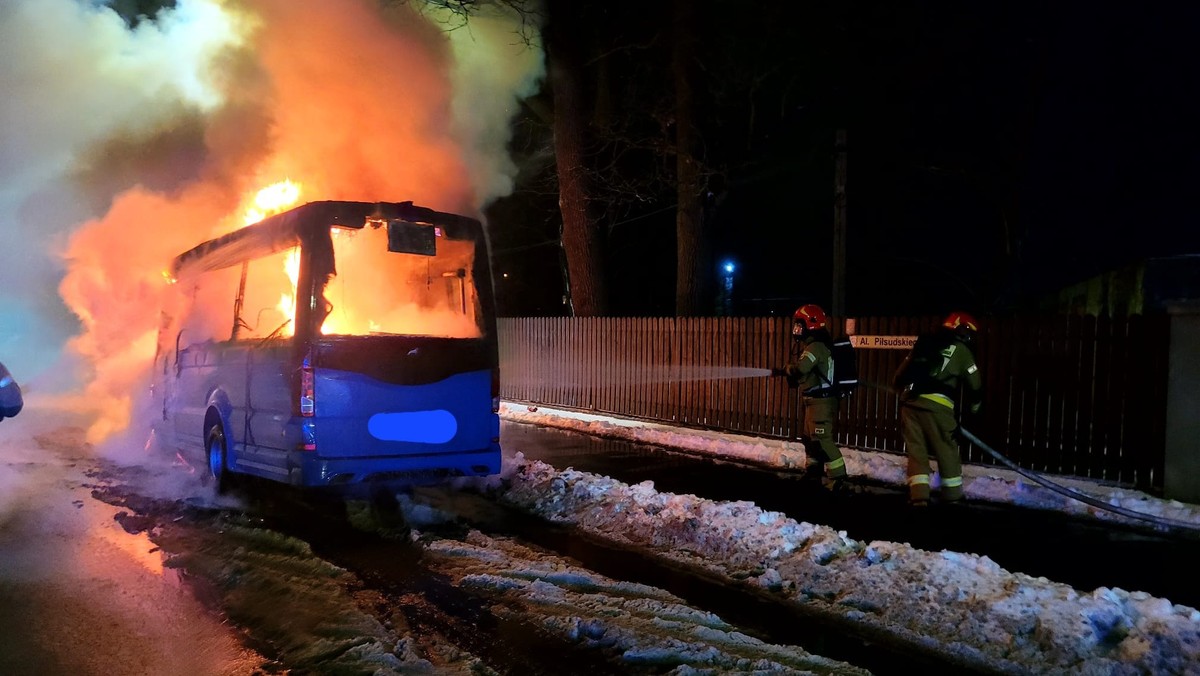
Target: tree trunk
(693, 274)
(580, 237)
(838, 297)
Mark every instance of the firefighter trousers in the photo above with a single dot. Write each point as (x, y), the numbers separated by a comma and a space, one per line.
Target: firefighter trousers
(819, 414)
(928, 428)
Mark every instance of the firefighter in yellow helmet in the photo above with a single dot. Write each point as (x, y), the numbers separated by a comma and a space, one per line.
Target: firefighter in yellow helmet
(940, 365)
(811, 369)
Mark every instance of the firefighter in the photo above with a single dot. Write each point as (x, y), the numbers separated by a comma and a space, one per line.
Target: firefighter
(811, 368)
(940, 365)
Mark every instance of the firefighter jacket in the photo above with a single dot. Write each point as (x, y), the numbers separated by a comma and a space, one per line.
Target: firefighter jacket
(937, 368)
(812, 369)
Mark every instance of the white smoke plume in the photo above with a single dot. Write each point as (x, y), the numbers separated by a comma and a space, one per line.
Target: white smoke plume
(122, 146)
(498, 60)
(73, 74)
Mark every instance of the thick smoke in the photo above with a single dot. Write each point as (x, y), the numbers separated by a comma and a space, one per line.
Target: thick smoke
(73, 74)
(124, 146)
(498, 61)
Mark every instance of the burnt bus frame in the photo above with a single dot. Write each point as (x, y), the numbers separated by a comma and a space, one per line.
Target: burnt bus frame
(308, 226)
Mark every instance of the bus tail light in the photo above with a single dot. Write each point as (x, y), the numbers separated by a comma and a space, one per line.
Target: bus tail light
(307, 401)
(307, 389)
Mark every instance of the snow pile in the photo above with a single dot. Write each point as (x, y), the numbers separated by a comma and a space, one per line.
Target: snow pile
(983, 483)
(961, 606)
(642, 624)
(301, 606)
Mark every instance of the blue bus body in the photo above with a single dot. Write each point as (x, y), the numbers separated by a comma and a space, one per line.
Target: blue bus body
(319, 405)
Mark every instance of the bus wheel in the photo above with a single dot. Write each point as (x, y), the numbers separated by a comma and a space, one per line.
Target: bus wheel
(217, 472)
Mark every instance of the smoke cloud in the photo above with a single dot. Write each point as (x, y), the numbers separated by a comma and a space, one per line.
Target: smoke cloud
(497, 62)
(124, 146)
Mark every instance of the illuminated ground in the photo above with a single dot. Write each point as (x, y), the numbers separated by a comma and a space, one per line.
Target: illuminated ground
(81, 595)
(136, 568)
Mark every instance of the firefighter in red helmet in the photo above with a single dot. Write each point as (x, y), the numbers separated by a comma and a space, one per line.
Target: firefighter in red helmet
(940, 365)
(811, 369)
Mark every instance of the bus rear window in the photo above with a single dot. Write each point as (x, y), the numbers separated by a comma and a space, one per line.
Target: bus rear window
(379, 291)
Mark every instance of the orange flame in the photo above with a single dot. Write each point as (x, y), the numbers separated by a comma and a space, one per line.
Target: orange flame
(271, 200)
(336, 114)
(287, 301)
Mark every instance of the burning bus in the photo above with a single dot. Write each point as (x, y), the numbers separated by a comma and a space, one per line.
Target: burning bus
(337, 344)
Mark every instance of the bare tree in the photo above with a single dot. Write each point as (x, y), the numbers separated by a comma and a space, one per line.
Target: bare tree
(628, 85)
(581, 241)
(693, 258)
(580, 236)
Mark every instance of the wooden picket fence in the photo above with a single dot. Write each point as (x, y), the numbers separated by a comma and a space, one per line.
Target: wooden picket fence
(1068, 395)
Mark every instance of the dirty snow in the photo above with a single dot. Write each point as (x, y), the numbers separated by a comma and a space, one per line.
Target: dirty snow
(643, 624)
(961, 605)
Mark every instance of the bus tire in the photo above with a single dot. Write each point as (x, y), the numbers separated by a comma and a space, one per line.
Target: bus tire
(217, 472)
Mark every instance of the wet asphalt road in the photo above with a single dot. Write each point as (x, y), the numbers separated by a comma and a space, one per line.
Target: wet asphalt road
(1071, 550)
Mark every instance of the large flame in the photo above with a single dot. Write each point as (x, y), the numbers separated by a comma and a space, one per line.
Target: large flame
(273, 199)
(352, 101)
(376, 291)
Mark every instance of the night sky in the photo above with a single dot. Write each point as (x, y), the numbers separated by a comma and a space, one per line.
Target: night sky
(995, 152)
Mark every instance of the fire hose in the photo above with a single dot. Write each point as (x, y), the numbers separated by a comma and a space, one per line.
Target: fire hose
(1162, 522)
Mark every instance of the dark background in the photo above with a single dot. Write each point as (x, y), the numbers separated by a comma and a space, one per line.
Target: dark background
(996, 152)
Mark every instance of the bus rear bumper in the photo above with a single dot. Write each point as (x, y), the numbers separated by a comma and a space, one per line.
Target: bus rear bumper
(309, 470)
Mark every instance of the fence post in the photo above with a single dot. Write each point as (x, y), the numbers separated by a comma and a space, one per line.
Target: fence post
(1181, 478)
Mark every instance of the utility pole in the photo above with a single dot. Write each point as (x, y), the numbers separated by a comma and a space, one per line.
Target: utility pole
(839, 226)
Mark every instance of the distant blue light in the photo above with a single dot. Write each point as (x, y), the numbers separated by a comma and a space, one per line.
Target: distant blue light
(729, 267)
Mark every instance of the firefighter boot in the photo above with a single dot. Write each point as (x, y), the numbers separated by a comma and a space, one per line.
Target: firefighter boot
(918, 490)
(835, 475)
(952, 490)
(814, 472)
(835, 484)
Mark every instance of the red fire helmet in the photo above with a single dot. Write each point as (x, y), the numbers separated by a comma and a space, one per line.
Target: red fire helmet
(811, 316)
(960, 321)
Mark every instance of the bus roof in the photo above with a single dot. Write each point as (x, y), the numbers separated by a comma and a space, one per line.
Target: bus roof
(310, 223)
